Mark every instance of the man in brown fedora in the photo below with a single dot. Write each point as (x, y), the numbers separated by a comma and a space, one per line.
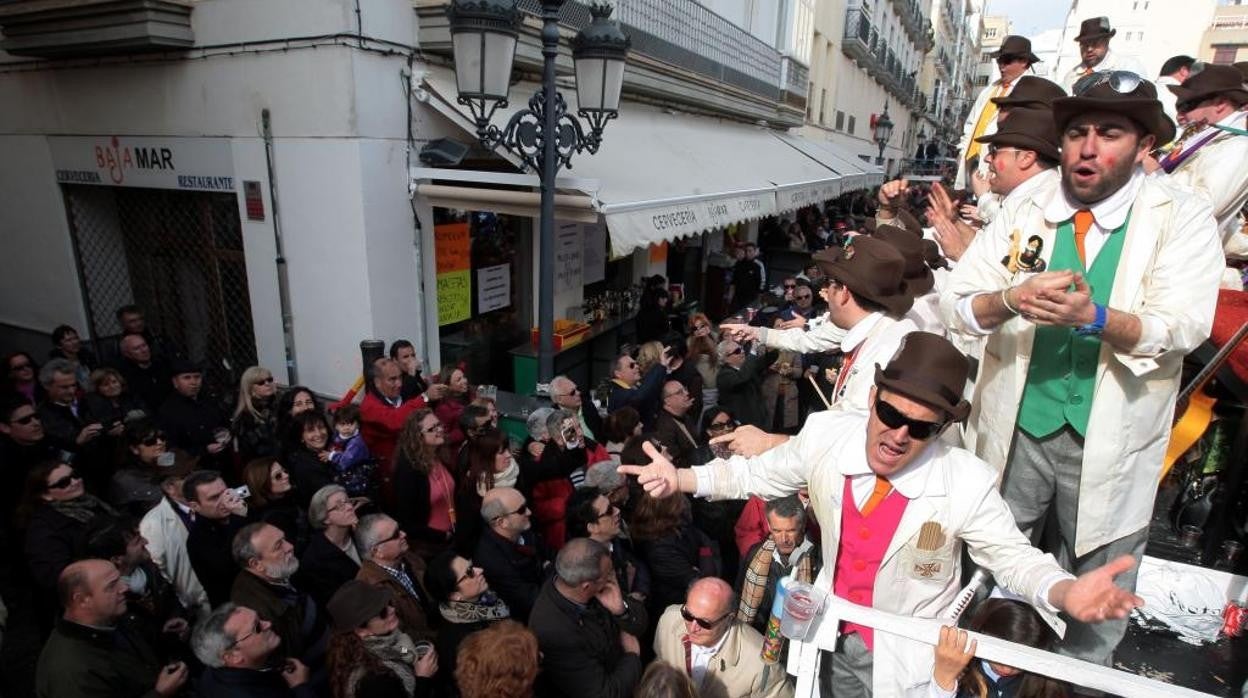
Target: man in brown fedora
(896, 505)
(1079, 376)
(1093, 40)
(1014, 58)
(867, 296)
(1211, 160)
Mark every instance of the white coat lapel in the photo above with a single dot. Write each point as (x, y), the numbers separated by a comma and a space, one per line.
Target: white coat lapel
(1139, 247)
(923, 507)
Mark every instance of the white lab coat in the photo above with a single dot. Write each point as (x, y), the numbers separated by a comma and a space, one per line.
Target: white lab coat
(166, 542)
(1172, 238)
(968, 129)
(947, 485)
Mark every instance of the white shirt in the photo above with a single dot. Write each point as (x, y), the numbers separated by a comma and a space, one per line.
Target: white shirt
(700, 658)
(1108, 215)
(859, 333)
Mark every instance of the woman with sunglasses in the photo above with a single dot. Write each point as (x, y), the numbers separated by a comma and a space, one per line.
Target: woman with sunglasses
(56, 514)
(255, 416)
(465, 603)
(273, 499)
(424, 487)
(368, 655)
(717, 518)
(306, 456)
(135, 486)
(22, 377)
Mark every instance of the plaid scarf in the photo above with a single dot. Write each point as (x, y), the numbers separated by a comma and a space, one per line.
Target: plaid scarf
(755, 585)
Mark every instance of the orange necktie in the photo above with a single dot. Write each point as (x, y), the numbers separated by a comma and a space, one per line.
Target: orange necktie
(882, 488)
(1083, 223)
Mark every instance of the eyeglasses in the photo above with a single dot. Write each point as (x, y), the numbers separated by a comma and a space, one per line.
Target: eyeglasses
(894, 419)
(522, 511)
(993, 150)
(434, 429)
(469, 573)
(722, 426)
(612, 510)
(154, 438)
(702, 622)
(701, 326)
(1007, 58)
(62, 483)
(256, 630)
(736, 351)
(281, 475)
(790, 286)
(570, 393)
(398, 533)
(1120, 81)
(264, 381)
(802, 296)
(32, 417)
(344, 505)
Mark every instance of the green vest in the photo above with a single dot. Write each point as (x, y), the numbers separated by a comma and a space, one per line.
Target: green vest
(1062, 375)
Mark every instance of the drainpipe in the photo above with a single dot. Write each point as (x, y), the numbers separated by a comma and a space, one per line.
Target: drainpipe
(283, 277)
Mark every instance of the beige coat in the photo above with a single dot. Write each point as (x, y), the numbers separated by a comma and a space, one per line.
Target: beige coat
(1217, 172)
(735, 671)
(1171, 239)
(166, 543)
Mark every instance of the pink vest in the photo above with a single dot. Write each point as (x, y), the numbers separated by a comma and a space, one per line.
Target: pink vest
(864, 540)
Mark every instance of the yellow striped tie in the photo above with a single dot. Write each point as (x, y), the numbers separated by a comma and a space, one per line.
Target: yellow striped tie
(985, 117)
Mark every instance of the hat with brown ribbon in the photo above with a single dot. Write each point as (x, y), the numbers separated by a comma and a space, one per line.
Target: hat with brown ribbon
(1095, 28)
(1119, 92)
(1014, 45)
(872, 269)
(930, 370)
(1031, 92)
(1210, 81)
(1029, 129)
(918, 274)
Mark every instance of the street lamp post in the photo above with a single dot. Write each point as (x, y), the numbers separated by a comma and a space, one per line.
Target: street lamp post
(544, 136)
(883, 131)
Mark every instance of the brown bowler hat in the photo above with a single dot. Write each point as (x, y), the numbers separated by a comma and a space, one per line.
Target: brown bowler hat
(909, 221)
(918, 275)
(1031, 92)
(1029, 129)
(1095, 28)
(1211, 80)
(1115, 91)
(929, 369)
(870, 268)
(1014, 45)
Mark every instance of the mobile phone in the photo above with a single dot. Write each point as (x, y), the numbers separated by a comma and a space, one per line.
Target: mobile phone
(242, 491)
(569, 434)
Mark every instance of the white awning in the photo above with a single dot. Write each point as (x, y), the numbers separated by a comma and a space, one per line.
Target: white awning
(664, 175)
(857, 174)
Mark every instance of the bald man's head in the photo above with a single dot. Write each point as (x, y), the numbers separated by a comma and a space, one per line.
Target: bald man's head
(92, 593)
(505, 511)
(708, 612)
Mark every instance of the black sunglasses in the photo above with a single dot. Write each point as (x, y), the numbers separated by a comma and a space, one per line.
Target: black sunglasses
(62, 483)
(894, 419)
(264, 381)
(523, 511)
(612, 510)
(398, 533)
(702, 622)
(153, 438)
(721, 426)
(32, 417)
(256, 630)
(470, 573)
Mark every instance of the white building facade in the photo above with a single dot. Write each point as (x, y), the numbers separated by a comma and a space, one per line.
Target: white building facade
(1150, 31)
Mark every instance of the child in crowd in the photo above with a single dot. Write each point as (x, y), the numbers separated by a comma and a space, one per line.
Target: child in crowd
(353, 464)
(958, 673)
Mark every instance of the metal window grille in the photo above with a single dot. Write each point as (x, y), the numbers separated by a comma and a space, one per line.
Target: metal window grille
(178, 255)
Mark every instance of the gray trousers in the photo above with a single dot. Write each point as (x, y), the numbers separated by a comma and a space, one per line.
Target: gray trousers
(846, 673)
(1044, 473)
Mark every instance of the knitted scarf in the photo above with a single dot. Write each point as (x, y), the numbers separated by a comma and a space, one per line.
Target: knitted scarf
(396, 652)
(487, 608)
(83, 509)
(755, 585)
(507, 478)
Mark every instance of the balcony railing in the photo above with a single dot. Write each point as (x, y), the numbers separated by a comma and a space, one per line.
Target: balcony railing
(682, 34)
(858, 41)
(864, 44)
(916, 24)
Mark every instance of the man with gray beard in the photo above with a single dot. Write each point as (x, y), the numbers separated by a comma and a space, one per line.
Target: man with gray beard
(268, 562)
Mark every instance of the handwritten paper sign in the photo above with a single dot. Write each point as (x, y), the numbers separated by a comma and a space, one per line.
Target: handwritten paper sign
(493, 288)
(568, 250)
(454, 297)
(452, 247)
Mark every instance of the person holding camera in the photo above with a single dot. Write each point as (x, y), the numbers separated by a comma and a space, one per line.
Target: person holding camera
(217, 513)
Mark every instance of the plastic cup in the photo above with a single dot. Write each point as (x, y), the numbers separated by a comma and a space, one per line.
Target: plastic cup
(801, 604)
(166, 459)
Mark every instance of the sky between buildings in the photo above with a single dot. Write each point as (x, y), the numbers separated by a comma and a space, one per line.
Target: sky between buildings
(1031, 17)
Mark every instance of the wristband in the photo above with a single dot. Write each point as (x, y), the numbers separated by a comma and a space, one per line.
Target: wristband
(1097, 326)
(1006, 301)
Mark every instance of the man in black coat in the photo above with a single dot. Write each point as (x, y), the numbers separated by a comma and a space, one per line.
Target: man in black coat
(23, 444)
(146, 376)
(219, 514)
(747, 278)
(566, 394)
(740, 382)
(685, 372)
(673, 428)
(506, 551)
(630, 389)
(91, 652)
(191, 420)
(237, 647)
(586, 628)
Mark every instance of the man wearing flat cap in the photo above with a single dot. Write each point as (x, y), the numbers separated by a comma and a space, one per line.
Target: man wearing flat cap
(1014, 58)
(1078, 381)
(897, 505)
(1211, 160)
(867, 296)
(1093, 39)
